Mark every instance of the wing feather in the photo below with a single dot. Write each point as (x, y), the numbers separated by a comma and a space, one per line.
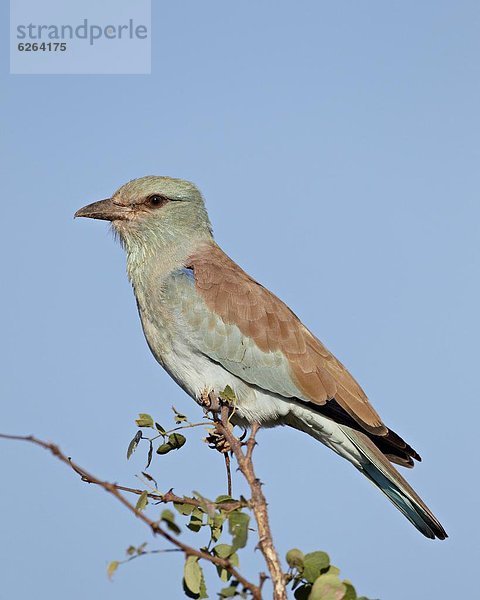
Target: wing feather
(239, 307)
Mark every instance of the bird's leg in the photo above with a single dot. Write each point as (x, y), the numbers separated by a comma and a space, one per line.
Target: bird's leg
(221, 412)
(210, 401)
(213, 404)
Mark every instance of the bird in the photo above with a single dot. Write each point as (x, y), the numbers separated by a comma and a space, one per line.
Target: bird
(210, 325)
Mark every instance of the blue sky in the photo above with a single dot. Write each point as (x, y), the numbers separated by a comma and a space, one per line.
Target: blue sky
(336, 144)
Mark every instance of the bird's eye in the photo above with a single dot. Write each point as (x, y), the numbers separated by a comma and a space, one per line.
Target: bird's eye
(156, 200)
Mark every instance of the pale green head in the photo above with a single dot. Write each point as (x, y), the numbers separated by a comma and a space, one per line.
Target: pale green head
(152, 210)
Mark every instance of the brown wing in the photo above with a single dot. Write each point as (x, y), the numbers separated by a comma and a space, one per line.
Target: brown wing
(260, 315)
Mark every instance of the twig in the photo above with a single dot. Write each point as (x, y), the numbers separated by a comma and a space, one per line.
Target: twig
(229, 474)
(259, 503)
(146, 552)
(189, 426)
(154, 526)
(167, 497)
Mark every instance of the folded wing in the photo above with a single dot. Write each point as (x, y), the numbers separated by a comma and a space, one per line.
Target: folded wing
(253, 333)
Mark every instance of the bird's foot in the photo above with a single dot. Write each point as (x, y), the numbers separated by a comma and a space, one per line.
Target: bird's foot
(210, 401)
(214, 404)
(216, 440)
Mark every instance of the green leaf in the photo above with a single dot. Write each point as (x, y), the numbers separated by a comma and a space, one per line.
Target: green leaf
(192, 574)
(160, 429)
(176, 440)
(141, 548)
(313, 565)
(228, 394)
(228, 592)
(350, 594)
(216, 526)
(333, 570)
(179, 418)
(187, 592)
(238, 527)
(223, 574)
(183, 509)
(150, 454)
(164, 449)
(144, 420)
(112, 567)
(148, 477)
(215, 533)
(142, 501)
(203, 587)
(173, 527)
(167, 515)
(224, 498)
(132, 446)
(223, 550)
(196, 520)
(295, 558)
(328, 587)
(131, 550)
(303, 592)
(168, 518)
(218, 519)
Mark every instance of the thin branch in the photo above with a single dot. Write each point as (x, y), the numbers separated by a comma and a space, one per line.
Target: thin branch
(189, 426)
(153, 525)
(229, 474)
(167, 497)
(259, 503)
(146, 552)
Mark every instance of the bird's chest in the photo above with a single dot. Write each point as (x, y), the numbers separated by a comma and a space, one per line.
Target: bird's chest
(161, 303)
(159, 322)
(162, 310)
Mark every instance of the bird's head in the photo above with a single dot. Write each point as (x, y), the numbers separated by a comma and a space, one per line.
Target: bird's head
(153, 211)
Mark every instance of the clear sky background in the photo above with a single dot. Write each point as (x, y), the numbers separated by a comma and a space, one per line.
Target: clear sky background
(337, 146)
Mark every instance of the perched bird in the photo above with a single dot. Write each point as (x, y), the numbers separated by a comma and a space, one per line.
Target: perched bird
(210, 325)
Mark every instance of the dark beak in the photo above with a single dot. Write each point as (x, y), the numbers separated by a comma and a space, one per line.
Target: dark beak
(106, 210)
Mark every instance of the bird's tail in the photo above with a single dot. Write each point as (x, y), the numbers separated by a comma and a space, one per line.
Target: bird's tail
(382, 474)
(361, 451)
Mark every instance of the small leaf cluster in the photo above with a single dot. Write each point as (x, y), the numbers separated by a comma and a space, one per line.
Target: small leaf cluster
(170, 440)
(222, 515)
(212, 516)
(132, 552)
(314, 578)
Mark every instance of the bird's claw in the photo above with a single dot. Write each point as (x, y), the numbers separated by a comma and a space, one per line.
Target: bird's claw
(216, 440)
(210, 401)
